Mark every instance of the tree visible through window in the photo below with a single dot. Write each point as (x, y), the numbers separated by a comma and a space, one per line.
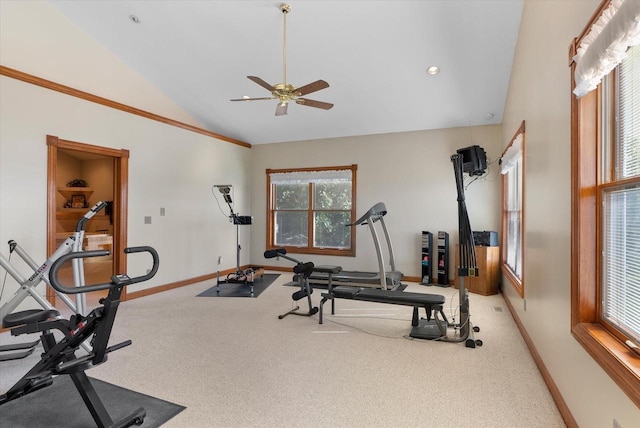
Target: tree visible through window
(309, 210)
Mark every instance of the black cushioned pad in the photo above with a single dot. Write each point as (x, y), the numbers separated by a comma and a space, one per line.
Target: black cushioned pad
(28, 317)
(327, 269)
(387, 296)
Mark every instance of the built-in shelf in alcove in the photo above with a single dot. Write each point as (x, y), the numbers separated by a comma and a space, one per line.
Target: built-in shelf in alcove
(68, 192)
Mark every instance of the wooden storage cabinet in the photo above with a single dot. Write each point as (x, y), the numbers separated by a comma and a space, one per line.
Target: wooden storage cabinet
(486, 283)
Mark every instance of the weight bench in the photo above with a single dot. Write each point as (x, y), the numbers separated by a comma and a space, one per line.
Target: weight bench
(430, 302)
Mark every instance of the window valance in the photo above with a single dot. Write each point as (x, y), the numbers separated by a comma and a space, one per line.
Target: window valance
(301, 177)
(512, 155)
(605, 46)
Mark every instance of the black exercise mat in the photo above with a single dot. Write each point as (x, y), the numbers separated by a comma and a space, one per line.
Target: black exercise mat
(60, 405)
(241, 290)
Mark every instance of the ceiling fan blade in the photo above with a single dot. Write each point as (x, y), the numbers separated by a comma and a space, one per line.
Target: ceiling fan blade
(314, 103)
(281, 110)
(312, 87)
(262, 83)
(253, 99)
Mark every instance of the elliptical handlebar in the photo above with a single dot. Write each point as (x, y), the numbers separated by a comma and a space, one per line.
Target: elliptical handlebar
(80, 225)
(116, 279)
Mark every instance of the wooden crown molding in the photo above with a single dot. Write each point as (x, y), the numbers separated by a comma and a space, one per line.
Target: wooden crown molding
(38, 81)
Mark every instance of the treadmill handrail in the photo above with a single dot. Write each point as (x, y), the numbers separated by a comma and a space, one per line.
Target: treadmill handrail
(375, 213)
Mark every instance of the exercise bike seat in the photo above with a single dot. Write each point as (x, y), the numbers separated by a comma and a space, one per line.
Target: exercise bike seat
(30, 316)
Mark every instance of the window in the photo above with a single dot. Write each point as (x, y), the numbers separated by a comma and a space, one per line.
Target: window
(512, 169)
(605, 245)
(309, 209)
(619, 197)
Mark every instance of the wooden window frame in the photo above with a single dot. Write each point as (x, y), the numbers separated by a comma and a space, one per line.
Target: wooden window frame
(348, 252)
(510, 275)
(608, 350)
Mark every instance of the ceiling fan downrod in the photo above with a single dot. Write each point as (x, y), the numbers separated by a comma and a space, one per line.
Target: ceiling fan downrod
(285, 8)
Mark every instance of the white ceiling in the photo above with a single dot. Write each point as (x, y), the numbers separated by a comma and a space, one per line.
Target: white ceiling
(374, 55)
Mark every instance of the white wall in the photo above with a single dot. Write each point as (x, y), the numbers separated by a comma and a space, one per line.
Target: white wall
(540, 93)
(410, 172)
(169, 167)
(37, 39)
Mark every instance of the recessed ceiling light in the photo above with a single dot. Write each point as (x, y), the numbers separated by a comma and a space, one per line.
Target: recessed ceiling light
(134, 19)
(433, 70)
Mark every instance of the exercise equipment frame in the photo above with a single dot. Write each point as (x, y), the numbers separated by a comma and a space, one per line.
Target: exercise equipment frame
(59, 357)
(41, 273)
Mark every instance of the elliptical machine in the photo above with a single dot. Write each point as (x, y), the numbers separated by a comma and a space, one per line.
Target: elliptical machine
(302, 271)
(41, 274)
(59, 357)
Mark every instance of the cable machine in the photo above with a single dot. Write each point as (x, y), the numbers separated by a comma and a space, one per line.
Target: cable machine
(471, 160)
(240, 276)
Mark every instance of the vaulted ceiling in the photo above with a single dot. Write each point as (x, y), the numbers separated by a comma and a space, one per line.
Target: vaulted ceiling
(373, 54)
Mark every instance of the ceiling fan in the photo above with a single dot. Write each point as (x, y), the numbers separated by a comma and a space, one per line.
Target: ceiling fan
(286, 92)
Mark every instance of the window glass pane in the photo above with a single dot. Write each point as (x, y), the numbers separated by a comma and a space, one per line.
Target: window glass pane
(514, 219)
(621, 254)
(513, 242)
(330, 230)
(292, 196)
(333, 195)
(291, 228)
(628, 148)
(309, 209)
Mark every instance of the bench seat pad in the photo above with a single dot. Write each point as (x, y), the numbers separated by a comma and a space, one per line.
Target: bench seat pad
(387, 296)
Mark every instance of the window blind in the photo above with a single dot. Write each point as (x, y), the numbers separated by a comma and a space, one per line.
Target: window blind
(628, 149)
(621, 290)
(621, 208)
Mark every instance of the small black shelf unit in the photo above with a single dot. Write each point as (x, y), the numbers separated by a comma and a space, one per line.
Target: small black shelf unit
(427, 257)
(443, 259)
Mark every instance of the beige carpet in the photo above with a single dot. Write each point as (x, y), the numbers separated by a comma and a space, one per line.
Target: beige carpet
(233, 363)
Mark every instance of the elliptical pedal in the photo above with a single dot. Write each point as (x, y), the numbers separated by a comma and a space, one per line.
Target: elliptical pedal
(25, 349)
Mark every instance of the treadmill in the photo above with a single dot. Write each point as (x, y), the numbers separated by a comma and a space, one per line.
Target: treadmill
(384, 279)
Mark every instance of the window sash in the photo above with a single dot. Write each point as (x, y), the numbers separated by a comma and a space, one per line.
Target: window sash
(514, 218)
(512, 165)
(621, 258)
(316, 222)
(628, 118)
(619, 193)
